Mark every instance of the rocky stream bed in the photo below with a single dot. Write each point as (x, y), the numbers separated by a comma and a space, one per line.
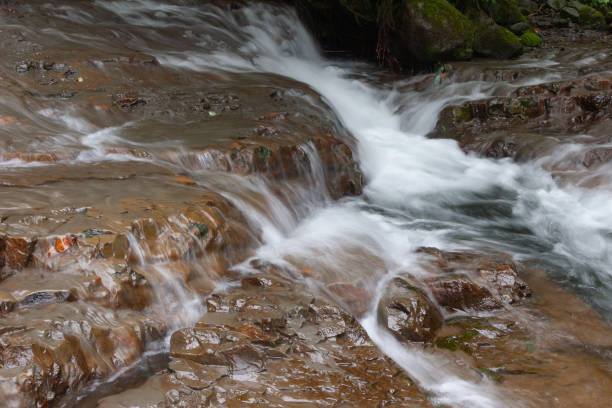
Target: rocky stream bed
(197, 209)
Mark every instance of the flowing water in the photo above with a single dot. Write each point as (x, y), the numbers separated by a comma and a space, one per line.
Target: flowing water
(418, 191)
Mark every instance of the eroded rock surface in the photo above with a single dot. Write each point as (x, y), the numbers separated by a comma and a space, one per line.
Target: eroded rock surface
(121, 177)
(269, 342)
(534, 114)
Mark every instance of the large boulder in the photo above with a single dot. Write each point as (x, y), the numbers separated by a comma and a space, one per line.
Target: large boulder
(591, 18)
(497, 42)
(504, 12)
(556, 4)
(583, 14)
(434, 30)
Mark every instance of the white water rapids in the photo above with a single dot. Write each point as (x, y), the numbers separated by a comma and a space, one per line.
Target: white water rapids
(419, 191)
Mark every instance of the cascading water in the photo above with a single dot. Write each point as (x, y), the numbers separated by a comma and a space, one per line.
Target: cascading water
(419, 191)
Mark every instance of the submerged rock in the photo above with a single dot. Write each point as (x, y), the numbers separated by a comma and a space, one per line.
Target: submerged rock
(15, 253)
(408, 313)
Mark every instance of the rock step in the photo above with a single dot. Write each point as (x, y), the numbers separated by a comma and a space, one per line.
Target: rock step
(263, 341)
(540, 117)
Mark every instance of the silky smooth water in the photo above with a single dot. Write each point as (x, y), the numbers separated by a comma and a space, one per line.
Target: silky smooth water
(419, 191)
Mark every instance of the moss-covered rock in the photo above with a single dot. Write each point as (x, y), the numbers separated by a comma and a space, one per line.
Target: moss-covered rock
(583, 15)
(504, 12)
(531, 39)
(527, 6)
(498, 42)
(570, 13)
(590, 17)
(556, 4)
(519, 28)
(434, 30)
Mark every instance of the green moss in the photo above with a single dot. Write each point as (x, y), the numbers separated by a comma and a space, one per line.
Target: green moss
(490, 373)
(448, 343)
(441, 12)
(591, 17)
(437, 30)
(504, 12)
(462, 114)
(507, 36)
(199, 228)
(498, 42)
(531, 39)
(469, 334)
(263, 153)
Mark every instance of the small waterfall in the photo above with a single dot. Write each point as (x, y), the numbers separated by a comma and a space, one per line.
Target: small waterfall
(418, 191)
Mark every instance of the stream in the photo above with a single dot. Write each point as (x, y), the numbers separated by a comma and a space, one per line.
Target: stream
(417, 192)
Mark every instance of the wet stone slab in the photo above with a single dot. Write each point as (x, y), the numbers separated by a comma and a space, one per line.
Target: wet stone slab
(269, 342)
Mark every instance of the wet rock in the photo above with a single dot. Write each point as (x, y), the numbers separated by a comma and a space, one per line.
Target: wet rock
(504, 279)
(489, 280)
(590, 17)
(7, 302)
(215, 345)
(460, 293)
(55, 348)
(565, 109)
(127, 102)
(101, 299)
(134, 291)
(196, 376)
(570, 13)
(24, 67)
(583, 14)
(38, 297)
(532, 347)
(519, 28)
(356, 298)
(498, 42)
(504, 12)
(317, 357)
(408, 313)
(15, 252)
(556, 4)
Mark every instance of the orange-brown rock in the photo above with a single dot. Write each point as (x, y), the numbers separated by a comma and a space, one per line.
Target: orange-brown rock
(533, 119)
(408, 313)
(234, 355)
